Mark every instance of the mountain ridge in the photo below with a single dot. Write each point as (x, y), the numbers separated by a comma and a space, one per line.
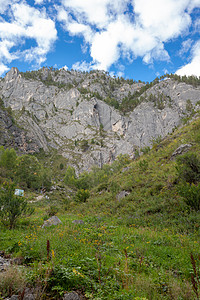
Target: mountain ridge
(91, 118)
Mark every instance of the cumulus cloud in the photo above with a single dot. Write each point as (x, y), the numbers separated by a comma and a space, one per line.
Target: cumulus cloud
(3, 68)
(110, 29)
(26, 23)
(83, 66)
(192, 68)
(115, 28)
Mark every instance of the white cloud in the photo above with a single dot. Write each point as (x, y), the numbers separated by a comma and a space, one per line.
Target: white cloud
(5, 47)
(65, 68)
(83, 66)
(39, 2)
(164, 19)
(111, 29)
(193, 68)
(3, 69)
(4, 5)
(96, 12)
(111, 33)
(186, 46)
(26, 22)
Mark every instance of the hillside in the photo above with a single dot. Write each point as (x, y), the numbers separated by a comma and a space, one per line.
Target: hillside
(91, 118)
(129, 230)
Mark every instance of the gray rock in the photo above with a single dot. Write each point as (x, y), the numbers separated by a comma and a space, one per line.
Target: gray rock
(4, 263)
(29, 297)
(181, 150)
(78, 221)
(14, 297)
(71, 296)
(51, 221)
(49, 116)
(122, 195)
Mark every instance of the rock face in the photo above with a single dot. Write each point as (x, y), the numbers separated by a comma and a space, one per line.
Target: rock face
(70, 111)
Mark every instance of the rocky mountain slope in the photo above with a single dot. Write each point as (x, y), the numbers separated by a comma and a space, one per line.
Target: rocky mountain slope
(90, 118)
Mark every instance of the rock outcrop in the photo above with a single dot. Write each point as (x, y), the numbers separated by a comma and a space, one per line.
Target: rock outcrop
(70, 111)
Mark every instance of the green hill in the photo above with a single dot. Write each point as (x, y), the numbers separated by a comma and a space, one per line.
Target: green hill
(136, 225)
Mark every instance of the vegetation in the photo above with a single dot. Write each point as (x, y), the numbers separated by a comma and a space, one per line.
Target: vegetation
(130, 230)
(12, 207)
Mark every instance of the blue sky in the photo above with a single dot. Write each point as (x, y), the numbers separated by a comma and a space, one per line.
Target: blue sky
(138, 39)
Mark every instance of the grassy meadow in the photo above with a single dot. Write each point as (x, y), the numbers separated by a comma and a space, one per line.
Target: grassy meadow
(144, 245)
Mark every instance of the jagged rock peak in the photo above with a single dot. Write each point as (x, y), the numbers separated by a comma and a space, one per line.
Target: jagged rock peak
(12, 74)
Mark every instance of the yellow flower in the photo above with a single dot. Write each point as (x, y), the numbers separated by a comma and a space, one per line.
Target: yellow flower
(52, 253)
(77, 272)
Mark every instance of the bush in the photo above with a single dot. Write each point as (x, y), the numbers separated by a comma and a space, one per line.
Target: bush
(70, 177)
(143, 165)
(28, 171)
(191, 195)
(12, 207)
(82, 195)
(12, 281)
(188, 168)
(52, 210)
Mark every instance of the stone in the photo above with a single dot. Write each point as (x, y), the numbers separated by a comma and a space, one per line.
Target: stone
(14, 297)
(71, 296)
(54, 220)
(78, 221)
(181, 150)
(29, 297)
(4, 263)
(122, 195)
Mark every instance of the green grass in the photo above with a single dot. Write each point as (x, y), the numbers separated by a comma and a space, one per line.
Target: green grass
(138, 247)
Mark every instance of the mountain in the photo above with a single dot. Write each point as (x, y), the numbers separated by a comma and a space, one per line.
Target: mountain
(90, 118)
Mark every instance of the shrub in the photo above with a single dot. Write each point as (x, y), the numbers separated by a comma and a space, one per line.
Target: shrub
(82, 195)
(70, 177)
(28, 171)
(143, 165)
(12, 281)
(145, 150)
(191, 195)
(52, 210)
(188, 168)
(12, 207)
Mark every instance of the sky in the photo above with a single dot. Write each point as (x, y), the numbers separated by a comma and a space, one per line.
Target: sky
(136, 39)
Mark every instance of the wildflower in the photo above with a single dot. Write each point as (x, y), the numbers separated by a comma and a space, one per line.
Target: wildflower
(77, 272)
(52, 253)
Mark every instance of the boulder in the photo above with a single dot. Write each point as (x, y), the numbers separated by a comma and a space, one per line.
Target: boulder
(52, 221)
(71, 296)
(181, 150)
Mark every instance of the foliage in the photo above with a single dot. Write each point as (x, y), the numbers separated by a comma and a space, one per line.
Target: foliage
(82, 195)
(191, 195)
(96, 176)
(52, 210)
(70, 176)
(8, 158)
(136, 247)
(12, 207)
(156, 140)
(143, 164)
(28, 171)
(188, 167)
(12, 281)
(145, 150)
